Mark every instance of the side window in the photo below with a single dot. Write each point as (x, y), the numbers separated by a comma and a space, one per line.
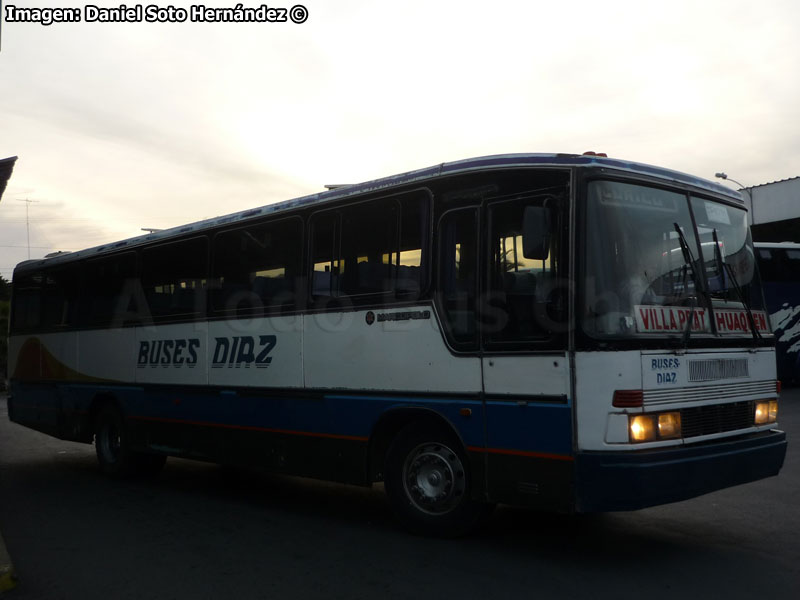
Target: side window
(793, 265)
(257, 267)
(779, 264)
(414, 241)
(27, 297)
(768, 264)
(368, 248)
(458, 275)
(60, 291)
(375, 248)
(524, 302)
(106, 289)
(175, 278)
(325, 268)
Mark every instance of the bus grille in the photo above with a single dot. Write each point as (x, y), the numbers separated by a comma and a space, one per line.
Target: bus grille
(710, 393)
(716, 418)
(718, 368)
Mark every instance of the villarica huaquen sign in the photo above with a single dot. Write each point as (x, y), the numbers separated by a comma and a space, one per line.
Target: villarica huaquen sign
(670, 319)
(673, 319)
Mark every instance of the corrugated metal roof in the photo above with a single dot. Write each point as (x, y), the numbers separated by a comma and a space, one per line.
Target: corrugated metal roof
(772, 182)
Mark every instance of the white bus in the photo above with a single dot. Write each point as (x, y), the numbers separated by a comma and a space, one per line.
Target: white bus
(566, 332)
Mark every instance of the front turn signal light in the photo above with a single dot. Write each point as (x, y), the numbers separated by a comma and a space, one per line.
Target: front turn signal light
(628, 398)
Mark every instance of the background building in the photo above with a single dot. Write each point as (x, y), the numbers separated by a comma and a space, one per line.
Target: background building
(775, 210)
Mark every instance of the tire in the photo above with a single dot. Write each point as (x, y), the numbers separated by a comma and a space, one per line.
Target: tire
(428, 482)
(112, 445)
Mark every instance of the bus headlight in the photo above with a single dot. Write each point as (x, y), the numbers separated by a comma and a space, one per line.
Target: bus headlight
(669, 425)
(649, 428)
(766, 412)
(642, 428)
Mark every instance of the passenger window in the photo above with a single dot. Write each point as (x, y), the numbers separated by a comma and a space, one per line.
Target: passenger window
(414, 227)
(324, 255)
(60, 291)
(175, 278)
(458, 274)
(257, 267)
(368, 249)
(27, 292)
(372, 248)
(792, 265)
(106, 289)
(768, 264)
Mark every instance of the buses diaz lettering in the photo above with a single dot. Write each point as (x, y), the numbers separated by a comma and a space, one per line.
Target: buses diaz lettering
(168, 353)
(665, 364)
(229, 352)
(243, 351)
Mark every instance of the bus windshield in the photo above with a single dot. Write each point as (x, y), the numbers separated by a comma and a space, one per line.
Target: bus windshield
(651, 271)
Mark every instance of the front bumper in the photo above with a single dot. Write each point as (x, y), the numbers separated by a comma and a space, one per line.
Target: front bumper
(611, 481)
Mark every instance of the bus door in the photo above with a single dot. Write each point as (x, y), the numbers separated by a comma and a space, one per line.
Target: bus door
(524, 339)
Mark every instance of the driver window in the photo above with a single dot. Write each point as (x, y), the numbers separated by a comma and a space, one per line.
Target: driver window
(525, 301)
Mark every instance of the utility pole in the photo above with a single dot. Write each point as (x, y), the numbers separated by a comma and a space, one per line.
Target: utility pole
(27, 221)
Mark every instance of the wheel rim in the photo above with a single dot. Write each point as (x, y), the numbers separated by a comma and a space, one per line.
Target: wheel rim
(434, 479)
(110, 442)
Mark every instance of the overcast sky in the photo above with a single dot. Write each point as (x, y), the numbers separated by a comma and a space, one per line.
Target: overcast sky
(124, 126)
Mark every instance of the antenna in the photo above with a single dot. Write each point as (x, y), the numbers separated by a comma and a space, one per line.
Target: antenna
(27, 221)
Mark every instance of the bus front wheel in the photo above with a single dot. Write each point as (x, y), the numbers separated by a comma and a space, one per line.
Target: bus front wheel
(427, 480)
(112, 443)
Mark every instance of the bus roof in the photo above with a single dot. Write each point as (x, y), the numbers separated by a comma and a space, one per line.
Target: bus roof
(499, 161)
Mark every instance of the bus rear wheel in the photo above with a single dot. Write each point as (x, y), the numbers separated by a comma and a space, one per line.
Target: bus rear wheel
(428, 483)
(112, 445)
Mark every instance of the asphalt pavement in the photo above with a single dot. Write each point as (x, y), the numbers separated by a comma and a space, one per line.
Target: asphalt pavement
(201, 531)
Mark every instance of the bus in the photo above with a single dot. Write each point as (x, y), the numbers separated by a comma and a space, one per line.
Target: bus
(779, 265)
(565, 332)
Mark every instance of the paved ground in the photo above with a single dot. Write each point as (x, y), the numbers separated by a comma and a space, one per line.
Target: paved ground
(203, 532)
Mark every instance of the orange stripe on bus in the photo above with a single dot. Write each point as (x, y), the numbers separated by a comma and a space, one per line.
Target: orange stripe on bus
(335, 436)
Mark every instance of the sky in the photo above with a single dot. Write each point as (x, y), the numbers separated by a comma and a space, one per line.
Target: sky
(124, 126)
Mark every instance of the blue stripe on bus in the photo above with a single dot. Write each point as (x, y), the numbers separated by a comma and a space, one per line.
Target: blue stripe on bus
(538, 429)
(535, 428)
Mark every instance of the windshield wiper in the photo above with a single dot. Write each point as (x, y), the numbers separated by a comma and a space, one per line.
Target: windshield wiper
(719, 263)
(722, 269)
(688, 260)
(756, 333)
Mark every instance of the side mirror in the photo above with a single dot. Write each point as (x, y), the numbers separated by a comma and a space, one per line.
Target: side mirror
(536, 232)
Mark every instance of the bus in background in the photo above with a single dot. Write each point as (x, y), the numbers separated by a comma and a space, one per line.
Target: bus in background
(568, 332)
(779, 263)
